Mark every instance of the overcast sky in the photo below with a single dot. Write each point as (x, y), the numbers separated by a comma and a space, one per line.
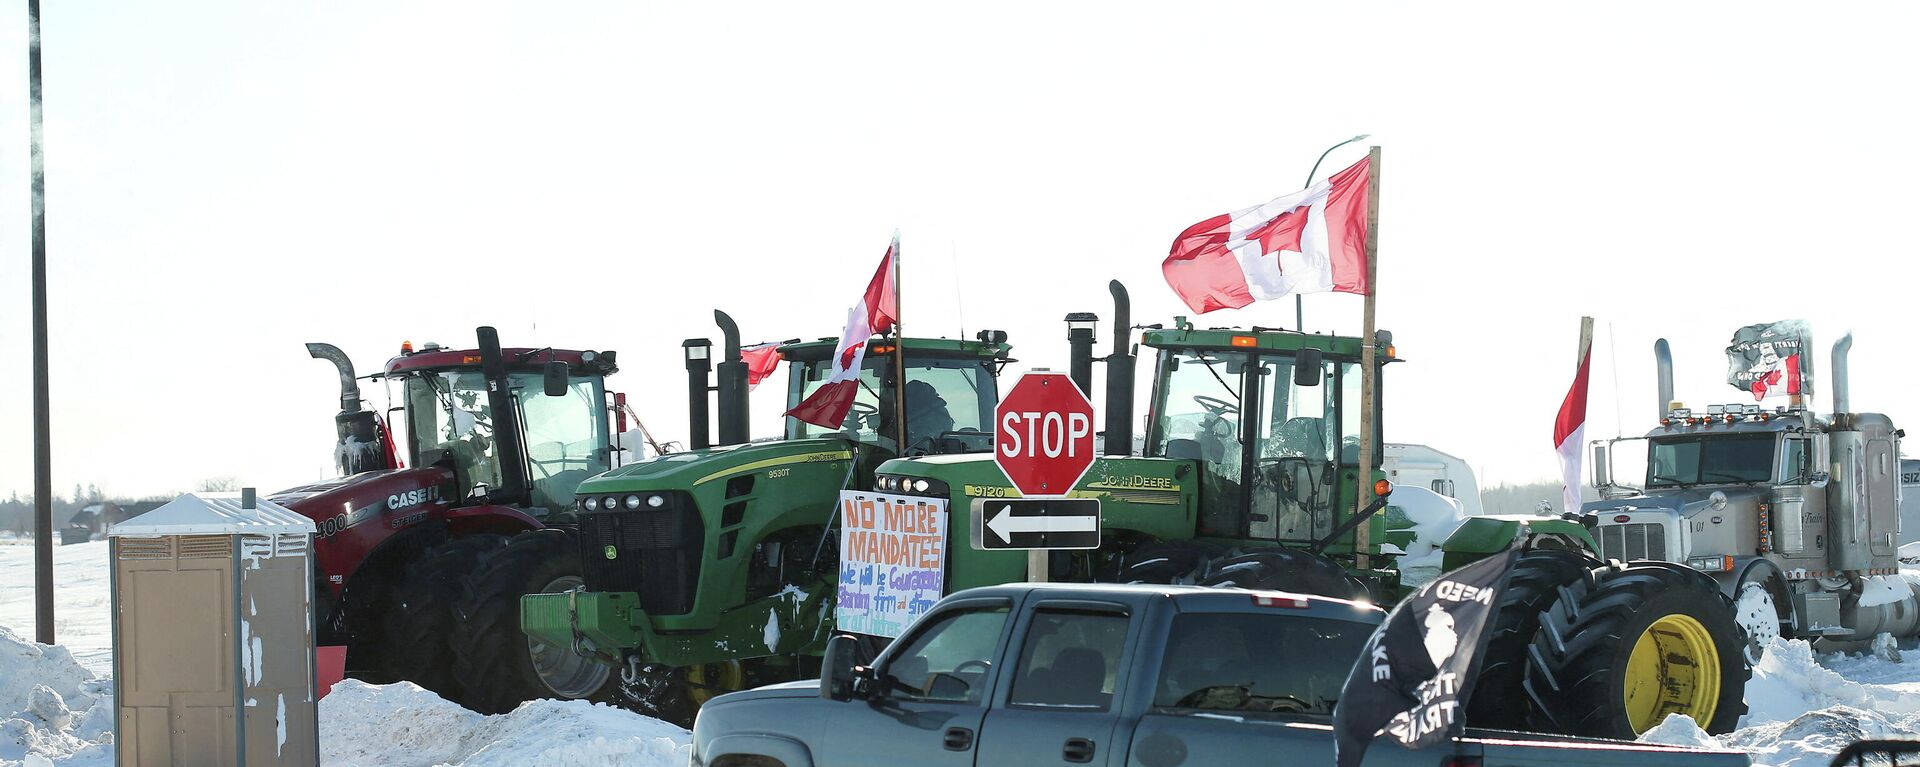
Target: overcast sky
(228, 180)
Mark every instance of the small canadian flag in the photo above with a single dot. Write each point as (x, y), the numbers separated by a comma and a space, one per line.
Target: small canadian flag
(1570, 425)
(877, 312)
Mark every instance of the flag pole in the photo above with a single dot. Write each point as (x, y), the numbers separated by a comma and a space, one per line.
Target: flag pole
(1369, 369)
(899, 358)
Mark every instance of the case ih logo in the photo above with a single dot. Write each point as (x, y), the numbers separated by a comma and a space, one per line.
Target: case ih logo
(399, 501)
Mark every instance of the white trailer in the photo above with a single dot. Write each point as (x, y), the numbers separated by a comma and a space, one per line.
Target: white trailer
(1424, 467)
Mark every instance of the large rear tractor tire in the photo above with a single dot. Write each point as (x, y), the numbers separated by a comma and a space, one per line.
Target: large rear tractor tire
(1167, 562)
(498, 667)
(1624, 645)
(1499, 696)
(420, 612)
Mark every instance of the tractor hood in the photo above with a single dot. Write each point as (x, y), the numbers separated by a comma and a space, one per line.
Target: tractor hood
(1683, 501)
(693, 467)
(386, 490)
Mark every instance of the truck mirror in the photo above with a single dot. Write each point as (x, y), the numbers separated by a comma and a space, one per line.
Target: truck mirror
(1306, 367)
(555, 374)
(837, 669)
(1600, 468)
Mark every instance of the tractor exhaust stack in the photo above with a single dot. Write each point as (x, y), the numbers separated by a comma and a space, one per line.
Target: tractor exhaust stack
(506, 426)
(1840, 349)
(360, 444)
(1080, 350)
(1663, 367)
(733, 383)
(699, 354)
(1119, 435)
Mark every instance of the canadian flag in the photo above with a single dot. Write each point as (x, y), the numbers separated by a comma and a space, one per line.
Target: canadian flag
(1570, 431)
(762, 360)
(1311, 241)
(878, 311)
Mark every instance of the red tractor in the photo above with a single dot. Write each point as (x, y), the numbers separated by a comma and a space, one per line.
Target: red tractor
(412, 553)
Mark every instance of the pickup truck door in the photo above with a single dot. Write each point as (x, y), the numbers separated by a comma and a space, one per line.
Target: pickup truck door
(928, 698)
(1061, 704)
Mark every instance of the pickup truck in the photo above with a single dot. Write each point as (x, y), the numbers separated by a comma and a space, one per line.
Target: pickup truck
(1156, 676)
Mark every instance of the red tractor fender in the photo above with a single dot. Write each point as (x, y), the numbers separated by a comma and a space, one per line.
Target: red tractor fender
(499, 520)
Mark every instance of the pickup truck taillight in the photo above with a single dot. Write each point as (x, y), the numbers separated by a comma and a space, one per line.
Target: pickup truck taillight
(1460, 761)
(1269, 600)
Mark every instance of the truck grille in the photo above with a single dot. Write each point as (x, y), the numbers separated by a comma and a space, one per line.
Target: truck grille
(1647, 540)
(656, 554)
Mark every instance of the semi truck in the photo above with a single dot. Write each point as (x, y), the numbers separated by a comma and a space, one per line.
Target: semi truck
(1794, 514)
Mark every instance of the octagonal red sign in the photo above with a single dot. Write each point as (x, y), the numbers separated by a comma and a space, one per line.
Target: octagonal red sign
(1043, 433)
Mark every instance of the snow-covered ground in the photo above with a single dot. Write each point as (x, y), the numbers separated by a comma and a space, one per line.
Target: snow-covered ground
(56, 701)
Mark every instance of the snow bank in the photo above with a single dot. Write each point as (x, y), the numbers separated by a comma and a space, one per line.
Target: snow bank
(1679, 730)
(1434, 517)
(51, 708)
(402, 725)
(1789, 682)
(1811, 739)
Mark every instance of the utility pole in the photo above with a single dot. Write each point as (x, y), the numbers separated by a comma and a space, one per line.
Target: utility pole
(42, 434)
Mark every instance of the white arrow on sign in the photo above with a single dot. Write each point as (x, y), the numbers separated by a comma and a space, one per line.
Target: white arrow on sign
(1006, 525)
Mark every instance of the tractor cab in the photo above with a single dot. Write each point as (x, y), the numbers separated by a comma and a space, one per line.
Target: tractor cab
(950, 393)
(1273, 420)
(554, 435)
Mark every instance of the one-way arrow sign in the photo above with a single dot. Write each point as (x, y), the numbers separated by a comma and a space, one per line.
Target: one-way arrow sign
(1036, 523)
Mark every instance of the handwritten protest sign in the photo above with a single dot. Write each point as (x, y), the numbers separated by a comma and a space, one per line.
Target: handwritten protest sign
(893, 554)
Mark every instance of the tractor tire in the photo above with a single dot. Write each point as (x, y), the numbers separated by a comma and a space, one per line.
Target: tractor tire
(1499, 695)
(497, 666)
(1167, 562)
(420, 612)
(1291, 570)
(1624, 645)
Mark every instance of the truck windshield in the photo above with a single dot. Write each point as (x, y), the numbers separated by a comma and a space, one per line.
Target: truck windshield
(949, 399)
(1226, 662)
(1696, 460)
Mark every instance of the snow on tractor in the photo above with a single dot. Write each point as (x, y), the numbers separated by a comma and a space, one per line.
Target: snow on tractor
(1250, 478)
(495, 441)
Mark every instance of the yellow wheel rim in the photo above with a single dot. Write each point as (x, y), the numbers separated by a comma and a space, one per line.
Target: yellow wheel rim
(1674, 669)
(708, 681)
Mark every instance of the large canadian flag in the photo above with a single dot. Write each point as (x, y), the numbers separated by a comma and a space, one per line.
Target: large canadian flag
(1570, 431)
(877, 312)
(1311, 241)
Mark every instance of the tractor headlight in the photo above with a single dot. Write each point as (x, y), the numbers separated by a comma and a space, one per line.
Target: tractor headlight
(590, 503)
(610, 503)
(656, 501)
(920, 485)
(632, 502)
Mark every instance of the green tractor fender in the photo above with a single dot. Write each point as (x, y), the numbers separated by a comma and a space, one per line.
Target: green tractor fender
(1480, 537)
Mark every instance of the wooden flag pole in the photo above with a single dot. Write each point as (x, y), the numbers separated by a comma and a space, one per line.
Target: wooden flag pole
(1369, 368)
(899, 358)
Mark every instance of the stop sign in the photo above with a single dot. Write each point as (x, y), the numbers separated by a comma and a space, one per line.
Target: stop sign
(1043, 433)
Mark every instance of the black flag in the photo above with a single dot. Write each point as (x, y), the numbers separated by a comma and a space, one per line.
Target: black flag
(1413, 680)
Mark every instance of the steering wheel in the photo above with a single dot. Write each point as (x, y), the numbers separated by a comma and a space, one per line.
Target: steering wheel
(1217, 407)
(859, 412)
(982, 665)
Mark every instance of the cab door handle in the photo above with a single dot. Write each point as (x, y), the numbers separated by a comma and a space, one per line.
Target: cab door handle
(958, 739)
(1077, 750)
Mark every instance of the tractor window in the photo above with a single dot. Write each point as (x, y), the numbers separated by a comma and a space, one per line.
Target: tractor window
(1294, 473)
(448, 411)
(1196, 415)
(949, 401)
(566, 437)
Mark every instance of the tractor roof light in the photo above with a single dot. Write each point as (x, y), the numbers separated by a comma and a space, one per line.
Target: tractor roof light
(1244, 341)
(406, 347)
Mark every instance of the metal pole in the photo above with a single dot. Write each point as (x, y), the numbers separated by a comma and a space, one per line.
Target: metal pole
(899, 355)
(42, 427)
(1369, 369)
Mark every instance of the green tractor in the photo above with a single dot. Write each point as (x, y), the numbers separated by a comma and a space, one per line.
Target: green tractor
(1250, 477)
(713, 569)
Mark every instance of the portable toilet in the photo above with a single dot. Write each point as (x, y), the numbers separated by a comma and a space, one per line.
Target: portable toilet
(213, 634)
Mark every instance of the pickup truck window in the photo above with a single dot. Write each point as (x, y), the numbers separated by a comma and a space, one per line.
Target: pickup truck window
(1069, 660)
(948, 661)
(1253, 662)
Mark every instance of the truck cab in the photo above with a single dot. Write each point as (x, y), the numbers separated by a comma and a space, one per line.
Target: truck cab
(1797, 516)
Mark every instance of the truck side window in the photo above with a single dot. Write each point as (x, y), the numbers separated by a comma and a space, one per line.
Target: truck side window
(948, 661)
(1069, 660)
(1793, 461)
(1226, 662)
